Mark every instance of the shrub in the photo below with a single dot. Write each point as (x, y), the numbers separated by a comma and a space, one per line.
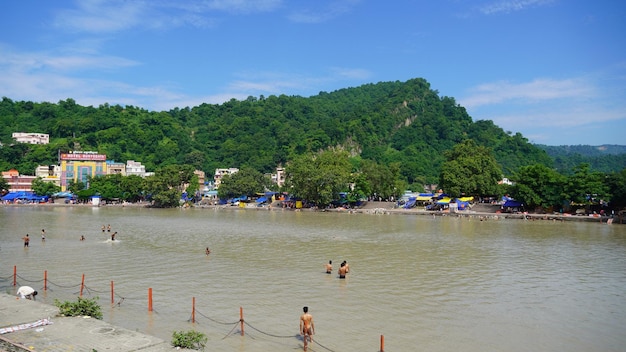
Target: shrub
(80, 308)
(189, 339)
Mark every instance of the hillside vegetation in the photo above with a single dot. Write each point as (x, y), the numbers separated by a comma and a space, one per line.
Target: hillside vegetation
(603, 158)
(391, 123)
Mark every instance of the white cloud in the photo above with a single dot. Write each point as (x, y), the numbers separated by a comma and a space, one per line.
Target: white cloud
(535, 91)
(102, 16)
(547, 110)
(508, 6)
(40, 62)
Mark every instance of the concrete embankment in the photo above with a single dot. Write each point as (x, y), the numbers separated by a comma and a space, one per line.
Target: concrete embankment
(27, 325)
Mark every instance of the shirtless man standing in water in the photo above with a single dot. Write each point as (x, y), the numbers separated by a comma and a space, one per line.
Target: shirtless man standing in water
(329, 267)
(307, 328)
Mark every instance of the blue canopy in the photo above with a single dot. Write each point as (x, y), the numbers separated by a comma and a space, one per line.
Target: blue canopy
(513, 204)
(13, 195)
(262, 200)
(22, 195)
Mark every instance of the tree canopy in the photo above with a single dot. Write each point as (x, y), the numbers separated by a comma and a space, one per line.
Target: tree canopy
(470, 169)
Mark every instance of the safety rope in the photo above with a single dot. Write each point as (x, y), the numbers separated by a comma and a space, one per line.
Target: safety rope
(89, 291)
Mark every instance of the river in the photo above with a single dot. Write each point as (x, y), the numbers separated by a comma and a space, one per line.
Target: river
(421, 283)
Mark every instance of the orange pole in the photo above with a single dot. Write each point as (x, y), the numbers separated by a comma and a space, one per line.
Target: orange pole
(45, 280)
(112, 293)
(241, 319)
(193, 309)
(14, 275)
(82, 285)
(150, 299)
(382, 343)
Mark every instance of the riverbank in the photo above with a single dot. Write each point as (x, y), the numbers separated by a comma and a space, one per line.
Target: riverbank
(482, 212)
(27, 325)
(479, 211)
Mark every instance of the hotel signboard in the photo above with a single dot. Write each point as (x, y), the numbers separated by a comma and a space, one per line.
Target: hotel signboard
(84, 156)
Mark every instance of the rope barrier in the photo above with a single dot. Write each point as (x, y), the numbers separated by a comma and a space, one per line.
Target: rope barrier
(29, 280)
(268, 334)
(90, 291)
(215, 321)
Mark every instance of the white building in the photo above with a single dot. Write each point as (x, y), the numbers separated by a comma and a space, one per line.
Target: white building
(219, 173)
(279, 177)
(49, 173)
(135, 168)
(31, 138)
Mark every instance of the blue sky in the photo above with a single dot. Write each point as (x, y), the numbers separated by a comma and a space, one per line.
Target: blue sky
(553, 70)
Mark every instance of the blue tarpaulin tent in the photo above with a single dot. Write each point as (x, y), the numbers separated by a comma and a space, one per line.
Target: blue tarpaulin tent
(513, 204)
(13, 196)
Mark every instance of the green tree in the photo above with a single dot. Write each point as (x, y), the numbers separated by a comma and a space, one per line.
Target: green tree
(617, 187)
(76, 186)
(320, 177)
(132, 188)
(538, 186)
(587, 187)
(246, 181)
(4, 186)
(470, 169)
(167, 185)
(43, 188)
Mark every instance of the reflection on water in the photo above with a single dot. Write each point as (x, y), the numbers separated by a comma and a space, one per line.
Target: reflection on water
(430, 284)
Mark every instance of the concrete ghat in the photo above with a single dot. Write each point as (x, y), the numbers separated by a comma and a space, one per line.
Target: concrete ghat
(67, 333)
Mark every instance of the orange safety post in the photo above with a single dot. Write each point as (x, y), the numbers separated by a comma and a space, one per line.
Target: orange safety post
(241, 319)
(382, 343)
(45, 280)
(82, 285)
(150, 299)
(193, 309)
(112, 293)
(14, 275)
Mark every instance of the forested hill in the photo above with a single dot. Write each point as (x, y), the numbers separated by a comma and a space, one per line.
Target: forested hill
(406, 123)
(604, 158)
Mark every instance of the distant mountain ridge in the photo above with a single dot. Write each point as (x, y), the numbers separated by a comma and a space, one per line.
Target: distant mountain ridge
(584, 150)
(603, 158)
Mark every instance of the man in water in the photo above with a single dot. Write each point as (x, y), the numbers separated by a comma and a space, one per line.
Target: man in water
(113, 236)
(329, 267)
(343, 270)
(307, 328)
(26, 240)
(43, 235)
(207, 251)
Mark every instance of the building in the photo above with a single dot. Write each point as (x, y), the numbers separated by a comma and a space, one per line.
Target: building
(114, 168)
(135, 168)
(17, 182)
(31, 138)
(220, 173)
(49, 173)
(78, 166)
(279, 177)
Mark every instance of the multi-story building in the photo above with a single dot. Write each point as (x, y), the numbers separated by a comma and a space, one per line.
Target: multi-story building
(219, 173)
(78, 166)
(279, 177)
(31, 138)
(49, 173)
(17, 182)
(116, 168)
(135, 168)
